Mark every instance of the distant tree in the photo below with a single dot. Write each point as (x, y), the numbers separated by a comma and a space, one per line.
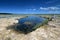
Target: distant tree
(5, 13)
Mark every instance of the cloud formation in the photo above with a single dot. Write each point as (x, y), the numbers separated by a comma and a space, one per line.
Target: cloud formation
(49, 8)
(32, 9)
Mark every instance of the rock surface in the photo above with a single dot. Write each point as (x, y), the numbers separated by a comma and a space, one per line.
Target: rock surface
(46, 32)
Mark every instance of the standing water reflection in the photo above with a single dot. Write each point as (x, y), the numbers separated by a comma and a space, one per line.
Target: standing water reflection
(28, 23)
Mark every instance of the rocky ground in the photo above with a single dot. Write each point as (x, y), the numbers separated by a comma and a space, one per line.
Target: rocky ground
(46, 32)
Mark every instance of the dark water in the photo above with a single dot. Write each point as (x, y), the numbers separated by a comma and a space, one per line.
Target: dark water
(27, 23)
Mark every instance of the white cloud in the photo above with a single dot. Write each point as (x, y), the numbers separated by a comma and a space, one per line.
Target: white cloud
(49, 8)
(54, 8)
(43, 8)
(32, 9)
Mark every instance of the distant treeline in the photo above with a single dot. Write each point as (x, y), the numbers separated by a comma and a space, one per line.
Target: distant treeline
(26, 14)
(5, 13)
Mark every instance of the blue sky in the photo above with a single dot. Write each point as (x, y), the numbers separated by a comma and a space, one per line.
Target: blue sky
(30, 6)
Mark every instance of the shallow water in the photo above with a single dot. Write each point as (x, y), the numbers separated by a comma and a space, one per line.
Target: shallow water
(27, 23)
(32, 19)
